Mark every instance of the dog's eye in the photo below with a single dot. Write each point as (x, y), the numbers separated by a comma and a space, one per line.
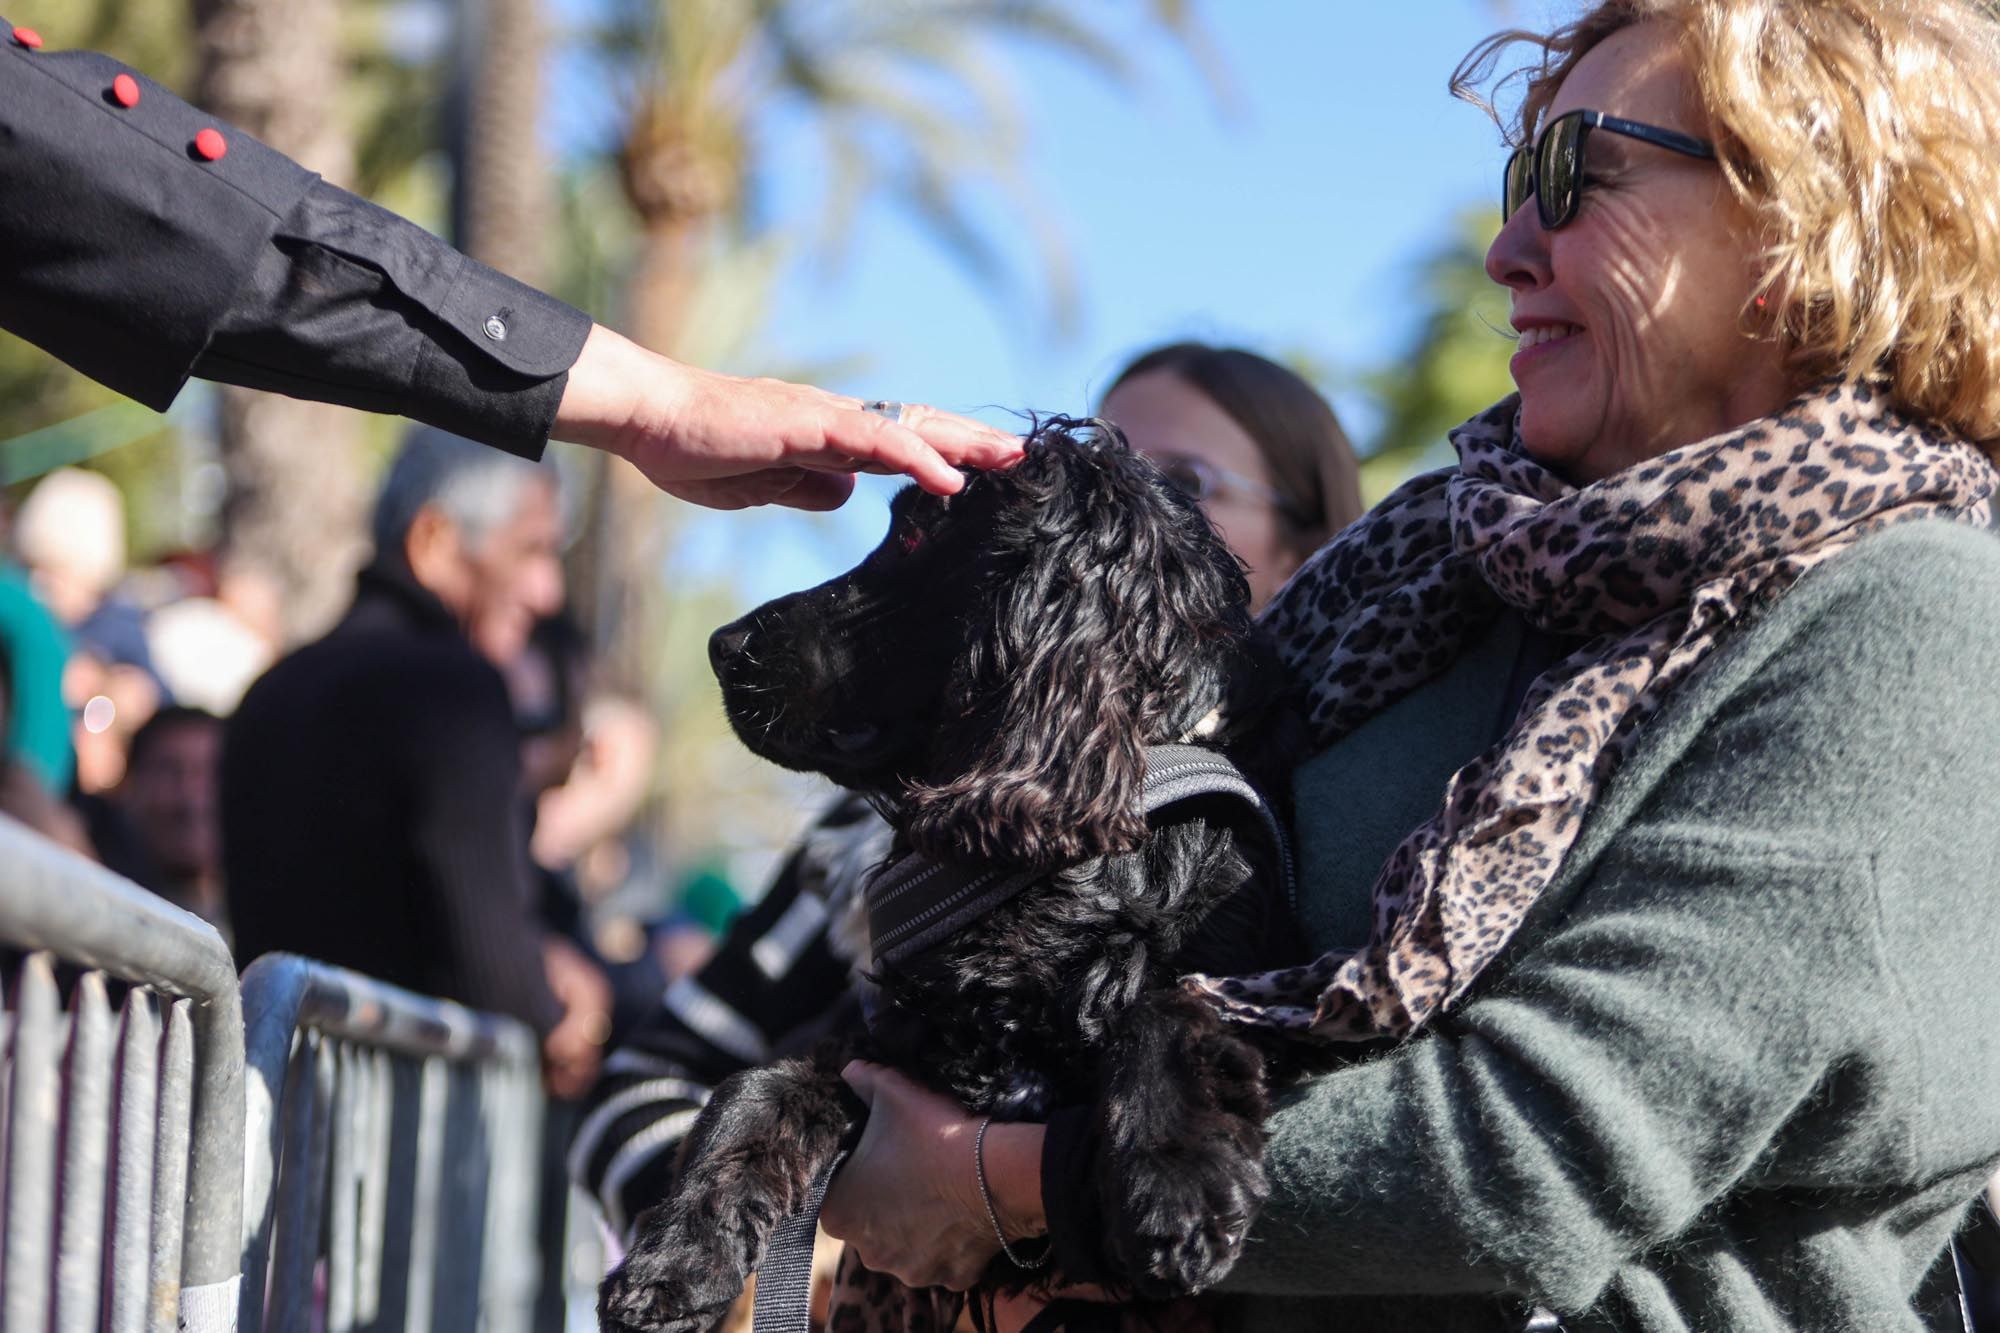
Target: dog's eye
(910, 539)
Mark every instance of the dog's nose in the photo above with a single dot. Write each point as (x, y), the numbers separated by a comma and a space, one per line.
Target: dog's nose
(726, 643)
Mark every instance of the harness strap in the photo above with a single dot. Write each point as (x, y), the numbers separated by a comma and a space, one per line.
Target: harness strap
(915, 902)
(783, 1303)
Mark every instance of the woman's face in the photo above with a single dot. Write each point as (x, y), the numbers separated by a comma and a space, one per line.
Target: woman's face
(1643, 291)
(1165, 417)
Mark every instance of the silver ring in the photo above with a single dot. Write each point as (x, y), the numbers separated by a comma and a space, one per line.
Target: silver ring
(883, 407)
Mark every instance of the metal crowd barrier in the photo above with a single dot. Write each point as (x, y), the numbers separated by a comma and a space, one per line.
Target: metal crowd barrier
(393, 1176)
(121, 1104)
(378, 1169)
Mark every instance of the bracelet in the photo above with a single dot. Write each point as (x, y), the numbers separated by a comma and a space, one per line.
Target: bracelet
(986, 1197)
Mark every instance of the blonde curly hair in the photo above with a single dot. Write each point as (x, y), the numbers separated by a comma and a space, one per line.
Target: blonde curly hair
(1864, 138)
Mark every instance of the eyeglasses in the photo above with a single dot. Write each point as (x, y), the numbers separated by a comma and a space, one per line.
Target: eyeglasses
(1552, 170)
(1201, 481)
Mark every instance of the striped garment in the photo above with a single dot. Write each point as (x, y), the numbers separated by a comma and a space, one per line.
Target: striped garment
(782, 977)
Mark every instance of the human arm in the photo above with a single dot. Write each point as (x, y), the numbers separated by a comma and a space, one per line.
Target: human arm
(134, 257)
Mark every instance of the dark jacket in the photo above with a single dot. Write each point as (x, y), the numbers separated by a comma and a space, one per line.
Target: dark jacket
(138, 258)
(370, 809)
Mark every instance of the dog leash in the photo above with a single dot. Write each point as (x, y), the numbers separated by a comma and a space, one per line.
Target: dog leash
(783, 1303)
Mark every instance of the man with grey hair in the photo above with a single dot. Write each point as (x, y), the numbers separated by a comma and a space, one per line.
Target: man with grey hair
(371, 780)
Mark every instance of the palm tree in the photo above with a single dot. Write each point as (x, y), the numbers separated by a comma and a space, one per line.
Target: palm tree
(909, 104)
(293, 510)
(503, 205)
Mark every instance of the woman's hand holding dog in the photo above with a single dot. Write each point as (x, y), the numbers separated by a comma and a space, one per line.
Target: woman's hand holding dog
(730, 443)
(907, 1198)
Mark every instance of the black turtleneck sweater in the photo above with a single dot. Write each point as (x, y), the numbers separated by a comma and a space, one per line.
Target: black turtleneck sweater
(370, 809)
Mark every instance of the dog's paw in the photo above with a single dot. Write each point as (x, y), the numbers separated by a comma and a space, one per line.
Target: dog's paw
(1177, 1220)
(669, 1283)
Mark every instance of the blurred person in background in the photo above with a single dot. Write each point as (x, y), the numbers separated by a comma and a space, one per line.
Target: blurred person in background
(23, 796)
(70, 535)
(371, 781)
(1251, 441)
(548, 682)
(160, 827)
(37, 737)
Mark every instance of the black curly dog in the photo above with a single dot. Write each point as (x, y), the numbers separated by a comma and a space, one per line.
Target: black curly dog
(990, 675)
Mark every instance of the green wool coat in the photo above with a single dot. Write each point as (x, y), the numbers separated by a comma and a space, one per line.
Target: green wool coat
(1741, 1069)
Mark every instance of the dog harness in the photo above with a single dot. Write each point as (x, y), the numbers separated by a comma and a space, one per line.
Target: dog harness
(915, 902)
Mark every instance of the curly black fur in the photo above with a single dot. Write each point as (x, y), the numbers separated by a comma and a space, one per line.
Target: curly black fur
(990, 675)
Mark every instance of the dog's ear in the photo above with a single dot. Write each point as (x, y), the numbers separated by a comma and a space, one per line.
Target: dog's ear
(1087, 652)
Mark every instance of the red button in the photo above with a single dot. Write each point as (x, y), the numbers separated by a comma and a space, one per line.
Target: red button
(210, 145)
(125, 90)
(29, 38)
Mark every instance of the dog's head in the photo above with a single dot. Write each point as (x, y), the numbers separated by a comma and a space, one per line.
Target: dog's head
(992, 671)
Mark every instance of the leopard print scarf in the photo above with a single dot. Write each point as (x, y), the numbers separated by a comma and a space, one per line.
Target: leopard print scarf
(1653, 566)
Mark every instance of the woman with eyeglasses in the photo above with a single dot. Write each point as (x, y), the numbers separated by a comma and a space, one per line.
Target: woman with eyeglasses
(1650, 848)
(1251, 441)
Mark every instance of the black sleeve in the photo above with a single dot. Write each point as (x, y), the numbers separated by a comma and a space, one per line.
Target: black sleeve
(778, 981)
(465, 834)
(349, 303)
(137, 257)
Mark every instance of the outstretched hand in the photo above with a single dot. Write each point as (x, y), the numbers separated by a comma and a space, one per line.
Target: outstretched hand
(729, 443)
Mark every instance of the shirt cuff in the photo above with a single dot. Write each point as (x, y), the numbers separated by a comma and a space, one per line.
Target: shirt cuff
(351, 304)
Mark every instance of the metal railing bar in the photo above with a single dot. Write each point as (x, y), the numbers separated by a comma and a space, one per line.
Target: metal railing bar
(283, 994)
(132, 1169)
(170, 1167)
(86, 1159)
(291, 1248)
(374, 1187)
(26, 1275)
(469, 1166)
(52, 899)
(343, 1205)
(420, 1309)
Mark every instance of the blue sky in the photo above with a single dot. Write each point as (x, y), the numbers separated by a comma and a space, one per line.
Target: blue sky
(1289, 221)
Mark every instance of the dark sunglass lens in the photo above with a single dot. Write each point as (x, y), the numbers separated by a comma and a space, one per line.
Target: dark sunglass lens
(1559, 170)
(1515, 181)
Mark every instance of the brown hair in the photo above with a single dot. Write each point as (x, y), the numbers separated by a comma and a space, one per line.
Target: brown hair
(1311, 462)
(1864, 138)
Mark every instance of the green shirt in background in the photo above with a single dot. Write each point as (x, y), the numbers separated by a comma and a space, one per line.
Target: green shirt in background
(37, 648)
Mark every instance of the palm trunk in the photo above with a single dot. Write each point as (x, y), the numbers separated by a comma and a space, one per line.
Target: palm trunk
(294, 503)
(505, 206)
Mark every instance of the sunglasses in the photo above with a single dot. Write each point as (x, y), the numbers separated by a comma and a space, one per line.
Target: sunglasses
(1201, 481)
(1553, 171)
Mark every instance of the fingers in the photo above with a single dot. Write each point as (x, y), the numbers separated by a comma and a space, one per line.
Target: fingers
(927, 444)
(864, 1078)
(817, 491)
(961, 440)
